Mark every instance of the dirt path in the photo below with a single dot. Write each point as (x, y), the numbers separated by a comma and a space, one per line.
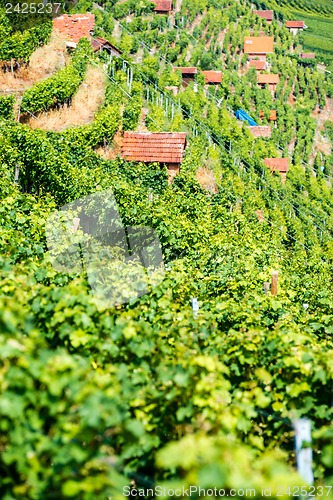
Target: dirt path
(85, 105)
(196, 23)
(291, 145)
(221, 36)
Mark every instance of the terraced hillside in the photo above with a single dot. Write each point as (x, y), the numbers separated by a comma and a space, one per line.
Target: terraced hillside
(318, 16)
(191, 374)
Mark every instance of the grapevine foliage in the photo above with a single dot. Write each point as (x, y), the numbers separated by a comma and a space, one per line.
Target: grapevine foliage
(147, 393)
(61, 87)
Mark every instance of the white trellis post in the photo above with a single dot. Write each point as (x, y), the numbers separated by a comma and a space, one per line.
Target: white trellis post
(302, 428)
(17, 173)
(195, 307)
(130, 78)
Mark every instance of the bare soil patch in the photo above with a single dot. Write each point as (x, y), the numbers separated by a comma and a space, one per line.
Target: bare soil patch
(206, 179)
(83, 109)
(322, 143)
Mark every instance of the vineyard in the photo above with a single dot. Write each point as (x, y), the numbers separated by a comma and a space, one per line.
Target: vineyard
(191, 387)
(318, 16)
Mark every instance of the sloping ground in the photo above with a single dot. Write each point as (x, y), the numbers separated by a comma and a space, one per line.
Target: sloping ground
(318, 37)
(318, 16)
(326, 114)
(111, 151)
(322, 143)
(206, 178)
(44, 62)
(85, 104)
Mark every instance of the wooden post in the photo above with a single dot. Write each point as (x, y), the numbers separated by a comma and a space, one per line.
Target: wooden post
(266, 287)
(275, 276)
(19, 111)
(302, 428)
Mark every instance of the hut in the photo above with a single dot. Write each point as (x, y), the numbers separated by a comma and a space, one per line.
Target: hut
(99, 44)
(265, 14)
(264, 131)
(257, 47)
(166, 148)
(75, 26)
(295, 26)
(213, 77)
(188, 74)
(269, 79)
(257, 64)
(162, 6)
(307, 55)
(278, 165)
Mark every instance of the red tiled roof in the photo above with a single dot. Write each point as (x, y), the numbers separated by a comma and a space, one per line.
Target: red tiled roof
(163, 5)
(213, 76)
(99, 42)
(259, 65)
(75, 26)
(186, 71)
(265, 14)
(162, 147)
(261, 131)
(309, 55)
(295, 24)
(258, 45)
(280, 164)
(268, 78)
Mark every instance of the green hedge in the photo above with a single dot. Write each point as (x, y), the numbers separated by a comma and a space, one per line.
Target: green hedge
(6, 107)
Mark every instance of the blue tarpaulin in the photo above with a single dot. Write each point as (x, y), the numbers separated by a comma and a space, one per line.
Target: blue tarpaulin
(241, 115)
